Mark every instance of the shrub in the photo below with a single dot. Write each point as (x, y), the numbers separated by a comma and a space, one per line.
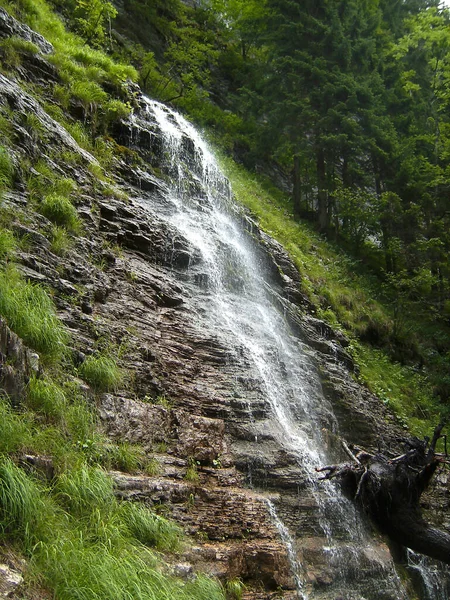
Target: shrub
(60, 211)
(101, 372)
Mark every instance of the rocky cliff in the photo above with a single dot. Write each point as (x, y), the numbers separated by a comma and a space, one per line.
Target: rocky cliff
(196, 404)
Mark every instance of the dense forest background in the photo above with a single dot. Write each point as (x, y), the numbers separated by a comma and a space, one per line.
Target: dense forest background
(344, 106)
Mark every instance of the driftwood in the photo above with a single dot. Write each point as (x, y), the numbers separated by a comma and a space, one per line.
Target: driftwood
(389, 489)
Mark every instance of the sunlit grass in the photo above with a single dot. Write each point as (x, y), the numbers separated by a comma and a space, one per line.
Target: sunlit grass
(29, 312)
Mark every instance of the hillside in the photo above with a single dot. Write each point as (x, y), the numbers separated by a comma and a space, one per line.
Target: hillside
(140, 444)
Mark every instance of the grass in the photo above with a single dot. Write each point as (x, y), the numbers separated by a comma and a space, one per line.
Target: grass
(101, 372)
(6, 169)
(406, 391)
(29, 312)
(84, 544)
(15, 429)
(60, 211)
(8, 244)
(60, 241)
(151, 529)
(47, 398)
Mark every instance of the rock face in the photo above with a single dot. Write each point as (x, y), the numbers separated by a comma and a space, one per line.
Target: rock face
(195, 399)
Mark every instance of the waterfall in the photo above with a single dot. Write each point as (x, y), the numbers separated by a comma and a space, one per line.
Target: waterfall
(230, 279)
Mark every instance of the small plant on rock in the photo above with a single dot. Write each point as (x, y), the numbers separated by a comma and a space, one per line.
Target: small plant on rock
(60, 211)
(191, 472)
(101, 372)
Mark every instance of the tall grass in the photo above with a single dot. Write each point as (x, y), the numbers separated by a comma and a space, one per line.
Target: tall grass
(6, 169)
(86, 545)
(101, 372)
(15, 429)
(22, 504)
(60, 210)
(29, 312)
(149, 528)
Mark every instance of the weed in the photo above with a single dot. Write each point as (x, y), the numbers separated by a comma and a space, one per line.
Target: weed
(8, 244)
(61, 242)
(21, 504)
(101, 372)
(34, 126)
(127, 457)
(161, 447)
(152, 467)
(191, 471)
(47, 398)
(15, 429)
(13, 48)
(84, 489)
(234, 589)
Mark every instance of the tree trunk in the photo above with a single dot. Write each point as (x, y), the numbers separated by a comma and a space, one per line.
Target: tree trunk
(389, 490)
(296, 188)
(322, 196)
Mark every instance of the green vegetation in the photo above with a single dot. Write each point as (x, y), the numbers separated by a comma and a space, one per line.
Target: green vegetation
(60, 211)
(101, 372)
(6, 169)
(83, 543)
(29, 312)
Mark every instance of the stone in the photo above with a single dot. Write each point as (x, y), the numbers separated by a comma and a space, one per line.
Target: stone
(10, 579)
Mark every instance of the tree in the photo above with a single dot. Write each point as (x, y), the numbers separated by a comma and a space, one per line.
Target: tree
(92, 18)
(389, 490)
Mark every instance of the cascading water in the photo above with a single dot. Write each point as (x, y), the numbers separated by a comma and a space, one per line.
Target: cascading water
(230, 278)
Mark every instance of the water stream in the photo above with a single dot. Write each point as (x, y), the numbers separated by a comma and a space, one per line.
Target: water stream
(240, 312)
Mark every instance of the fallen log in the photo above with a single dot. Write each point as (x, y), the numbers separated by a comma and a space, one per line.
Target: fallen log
(389, 490)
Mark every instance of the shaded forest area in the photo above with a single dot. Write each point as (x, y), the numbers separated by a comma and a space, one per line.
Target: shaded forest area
(345, 104)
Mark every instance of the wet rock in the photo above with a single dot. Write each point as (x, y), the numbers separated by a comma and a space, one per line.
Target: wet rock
(17, 363)
(134, 421)
(200, 438)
